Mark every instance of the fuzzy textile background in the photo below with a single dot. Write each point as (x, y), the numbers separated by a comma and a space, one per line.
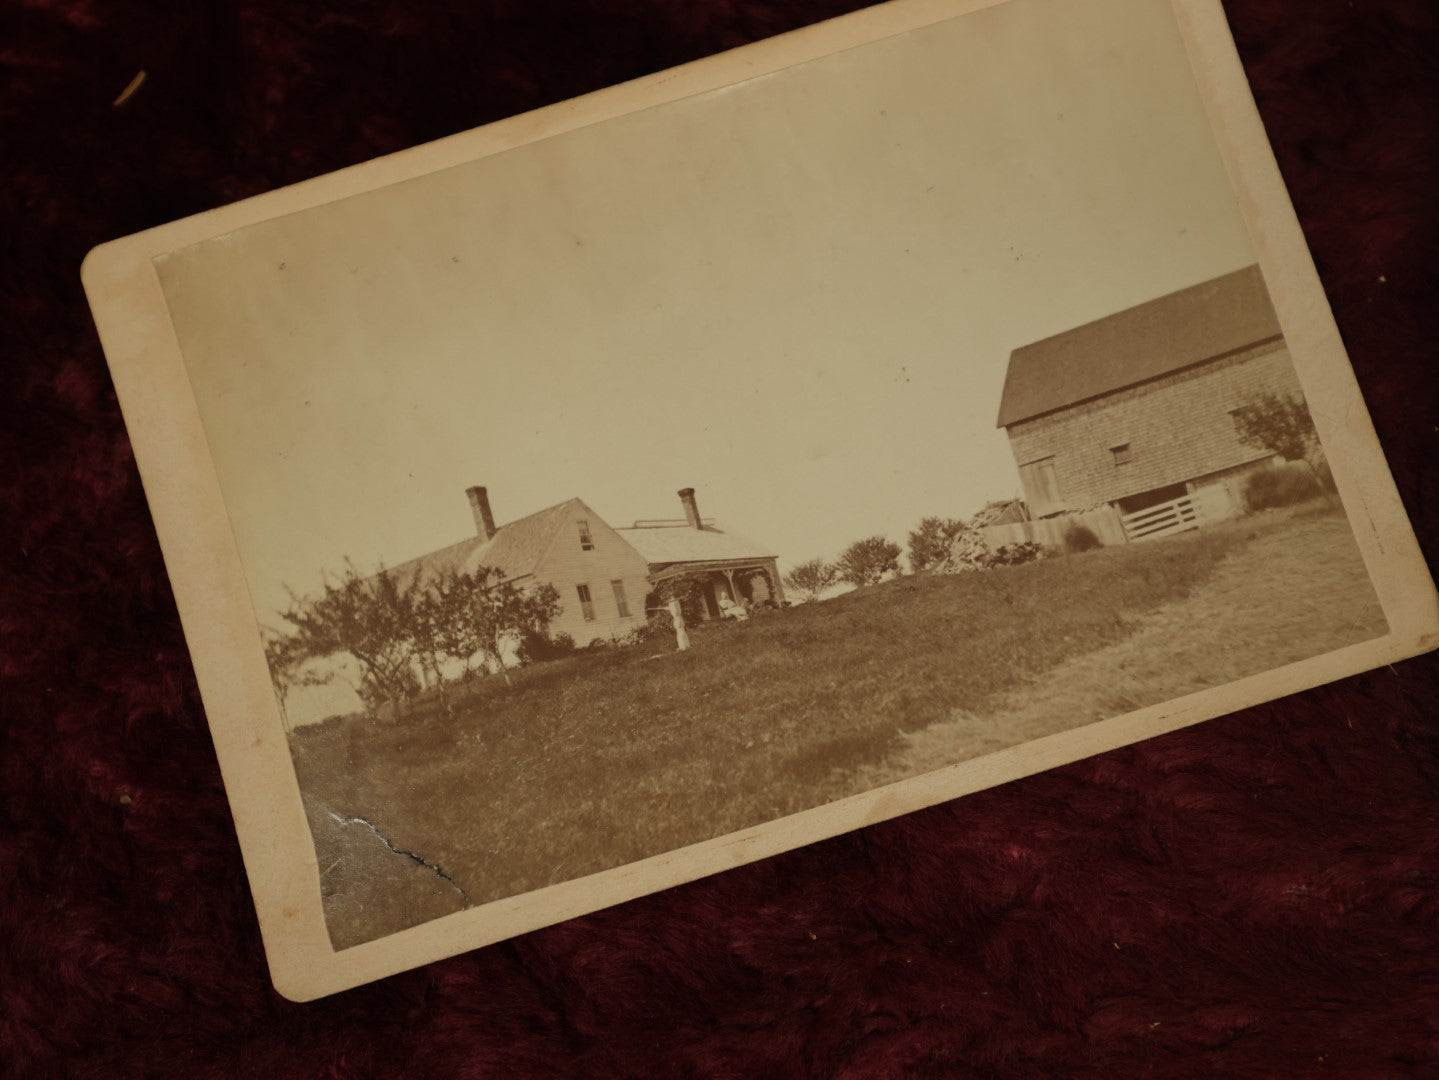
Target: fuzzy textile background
(1256, 896)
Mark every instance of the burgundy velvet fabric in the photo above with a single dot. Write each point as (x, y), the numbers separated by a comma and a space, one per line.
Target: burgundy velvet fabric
(1256, 896)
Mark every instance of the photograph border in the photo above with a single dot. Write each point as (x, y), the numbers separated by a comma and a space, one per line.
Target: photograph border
(220, 625)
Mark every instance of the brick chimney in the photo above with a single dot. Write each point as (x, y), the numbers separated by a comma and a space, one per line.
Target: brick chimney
(692, 510)
(480, 506)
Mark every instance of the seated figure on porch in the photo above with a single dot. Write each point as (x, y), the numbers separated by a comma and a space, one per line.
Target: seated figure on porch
(730, 610)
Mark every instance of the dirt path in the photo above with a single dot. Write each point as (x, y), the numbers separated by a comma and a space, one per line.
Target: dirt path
(1288, 594)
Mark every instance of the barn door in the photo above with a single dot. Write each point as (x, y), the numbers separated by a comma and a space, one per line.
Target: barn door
(1041, 487)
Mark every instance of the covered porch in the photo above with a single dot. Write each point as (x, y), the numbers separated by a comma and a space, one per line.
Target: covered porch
(720, 583)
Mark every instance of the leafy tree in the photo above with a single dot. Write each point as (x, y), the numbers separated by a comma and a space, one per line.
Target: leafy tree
(689, 590)
(483, 613)
(286, 659)
(865, 562)
(398, 692)
(810, 579)
(930, 544)
(1282, 425)
(391, 626)
(373, 619)
(442, 632)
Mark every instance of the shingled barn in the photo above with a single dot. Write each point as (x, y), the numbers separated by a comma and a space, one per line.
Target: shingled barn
(1136, 410)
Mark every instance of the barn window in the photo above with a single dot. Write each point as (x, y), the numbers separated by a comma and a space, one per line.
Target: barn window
(1120, 452)
(587, 605)
(587, 542)
(620, 601)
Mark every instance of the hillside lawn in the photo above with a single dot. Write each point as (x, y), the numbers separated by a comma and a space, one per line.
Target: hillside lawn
(615, 755)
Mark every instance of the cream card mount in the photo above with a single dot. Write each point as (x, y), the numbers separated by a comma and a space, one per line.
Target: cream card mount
(1025, 267)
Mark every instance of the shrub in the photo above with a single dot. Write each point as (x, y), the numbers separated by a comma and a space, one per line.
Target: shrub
(1017, 554)
(657, 627)
(537, 647)
(1280, 486)
(1079, 538)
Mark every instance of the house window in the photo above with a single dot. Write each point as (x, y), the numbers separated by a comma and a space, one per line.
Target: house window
(620, 601)
(1120, 452)
(587, 605)
(587, 542)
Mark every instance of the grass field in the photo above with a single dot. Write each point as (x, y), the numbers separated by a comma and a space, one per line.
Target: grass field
(609, 757)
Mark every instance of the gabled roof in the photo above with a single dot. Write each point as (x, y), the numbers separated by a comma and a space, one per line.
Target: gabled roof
(514, 551)
(678, 543)
(1200, 323)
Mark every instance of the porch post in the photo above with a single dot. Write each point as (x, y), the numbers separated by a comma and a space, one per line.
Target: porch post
(682, 638)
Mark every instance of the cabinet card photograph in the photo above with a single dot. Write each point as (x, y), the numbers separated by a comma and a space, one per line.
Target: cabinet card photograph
(650, 484)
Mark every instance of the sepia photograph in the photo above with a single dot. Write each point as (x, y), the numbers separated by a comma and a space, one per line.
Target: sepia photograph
(723, 460)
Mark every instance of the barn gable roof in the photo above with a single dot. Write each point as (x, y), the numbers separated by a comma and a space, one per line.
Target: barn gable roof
(515, 550)
(1200, 323)
(661, 545)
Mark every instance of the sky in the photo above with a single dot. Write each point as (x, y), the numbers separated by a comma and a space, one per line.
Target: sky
(797, 295)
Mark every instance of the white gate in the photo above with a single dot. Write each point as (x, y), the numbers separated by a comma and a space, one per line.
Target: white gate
(1165, 519)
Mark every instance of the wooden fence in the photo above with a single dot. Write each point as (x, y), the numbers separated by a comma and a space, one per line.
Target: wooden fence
(1104, 521)
(1174, 516)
